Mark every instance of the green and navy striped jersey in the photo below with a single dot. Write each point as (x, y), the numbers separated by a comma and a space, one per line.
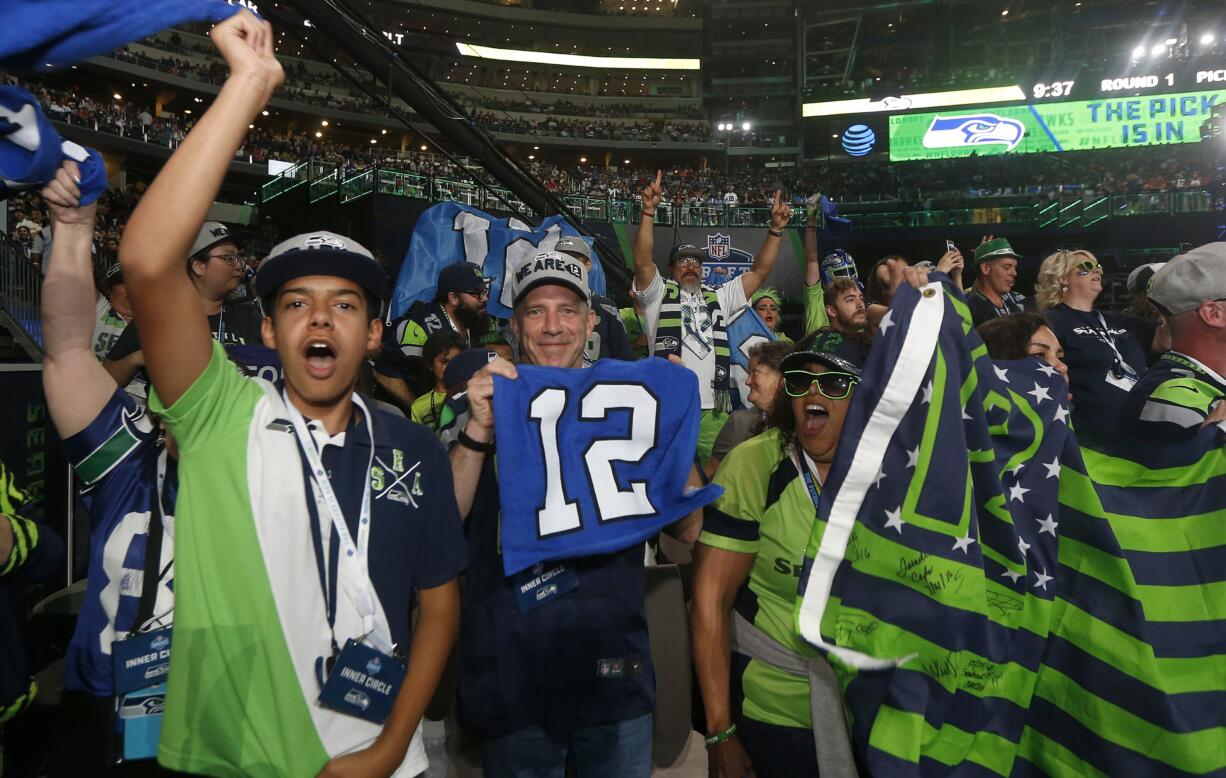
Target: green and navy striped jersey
(766, 511)
(1173, 399)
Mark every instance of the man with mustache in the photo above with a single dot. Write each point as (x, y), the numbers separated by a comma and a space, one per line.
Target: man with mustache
(687, 319)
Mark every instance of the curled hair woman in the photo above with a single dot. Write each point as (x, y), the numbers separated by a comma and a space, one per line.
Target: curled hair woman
(770, 709)
(1105, 351)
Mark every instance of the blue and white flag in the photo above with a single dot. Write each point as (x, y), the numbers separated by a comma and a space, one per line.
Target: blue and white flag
(44, 34)
(745, 330)
(31, 151)
(451, 232)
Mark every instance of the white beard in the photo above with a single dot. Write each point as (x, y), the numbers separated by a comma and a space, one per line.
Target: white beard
(691, 287)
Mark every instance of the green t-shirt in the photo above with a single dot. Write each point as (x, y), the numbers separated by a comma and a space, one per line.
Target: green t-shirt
(426, 409)
(815, 309)
(766, 511)
(633, 324)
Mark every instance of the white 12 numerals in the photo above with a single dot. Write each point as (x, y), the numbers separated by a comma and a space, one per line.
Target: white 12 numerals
(559, 515)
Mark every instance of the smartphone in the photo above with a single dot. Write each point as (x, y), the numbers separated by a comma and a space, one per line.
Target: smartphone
(949, 245)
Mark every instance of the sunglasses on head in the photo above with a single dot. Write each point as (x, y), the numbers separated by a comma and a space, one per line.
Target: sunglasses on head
(832, 386)
(1087, 267)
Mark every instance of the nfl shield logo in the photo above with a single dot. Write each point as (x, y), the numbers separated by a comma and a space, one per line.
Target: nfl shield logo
(719, 246)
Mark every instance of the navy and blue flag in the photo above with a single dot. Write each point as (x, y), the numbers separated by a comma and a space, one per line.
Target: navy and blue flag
(40, 35)
(745, 330)
(452, 232)
(996, 597)
(594, 460)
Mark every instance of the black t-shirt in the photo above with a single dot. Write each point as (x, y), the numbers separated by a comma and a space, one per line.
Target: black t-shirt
(1099, 384)
(236, 323)
(983, 309)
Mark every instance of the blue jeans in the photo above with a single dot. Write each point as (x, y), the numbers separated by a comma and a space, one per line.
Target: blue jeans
(618, 750)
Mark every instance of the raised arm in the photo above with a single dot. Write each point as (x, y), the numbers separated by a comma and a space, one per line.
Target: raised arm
(174, 330)
(644, 239)
(764, 262)
(813, 274)
(76, 386)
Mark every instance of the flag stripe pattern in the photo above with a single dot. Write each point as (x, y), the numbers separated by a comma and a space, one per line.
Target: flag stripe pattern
(999, 598)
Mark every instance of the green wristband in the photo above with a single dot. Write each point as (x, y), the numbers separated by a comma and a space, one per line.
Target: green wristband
(720, 737)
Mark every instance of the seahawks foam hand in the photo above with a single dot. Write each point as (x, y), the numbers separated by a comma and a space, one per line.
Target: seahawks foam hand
(246, 44)
(781, 212)
(653, 193)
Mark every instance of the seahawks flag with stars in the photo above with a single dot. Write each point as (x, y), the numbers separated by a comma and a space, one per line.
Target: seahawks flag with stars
(997, 599)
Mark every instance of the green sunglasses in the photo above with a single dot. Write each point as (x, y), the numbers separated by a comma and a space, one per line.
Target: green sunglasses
(832, 386)
(1087, 267)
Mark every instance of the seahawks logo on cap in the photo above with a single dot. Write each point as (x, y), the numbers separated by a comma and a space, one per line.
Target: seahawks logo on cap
(317, 241)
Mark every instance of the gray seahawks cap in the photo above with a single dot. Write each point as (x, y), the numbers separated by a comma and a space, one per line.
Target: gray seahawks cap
(549, 267)
(1188, 280)
(212, 233)
(321, 253)
(575, 246)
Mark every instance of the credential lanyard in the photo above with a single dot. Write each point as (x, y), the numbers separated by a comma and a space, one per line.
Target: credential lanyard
(354, 551)
(808, 471)
(1106, 337)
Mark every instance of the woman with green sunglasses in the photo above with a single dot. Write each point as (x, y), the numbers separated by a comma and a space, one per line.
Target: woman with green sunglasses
(770, 711)
(1106, 351)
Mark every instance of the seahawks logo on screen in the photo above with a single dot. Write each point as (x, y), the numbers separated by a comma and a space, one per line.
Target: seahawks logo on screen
(948, 132)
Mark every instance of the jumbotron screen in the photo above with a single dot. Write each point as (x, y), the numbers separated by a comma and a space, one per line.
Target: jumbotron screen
(1103, 123)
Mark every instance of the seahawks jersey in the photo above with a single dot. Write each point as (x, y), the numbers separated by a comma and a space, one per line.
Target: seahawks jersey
(601, 461)
(402, 354)
(116, 458)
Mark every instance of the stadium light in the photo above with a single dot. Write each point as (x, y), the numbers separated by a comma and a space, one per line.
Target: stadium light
(991, 94)
(263, 113)
(577, 60)
(383, 132)
(1138, 52)
(583, 159)
(531, 156)
(323, 123)
(318, 134)
(1158, 50)
(1207, 39)
(423, 147)
(117, 96)
(625, 162)
(374, 140)
(745, 126)
(1172, 41)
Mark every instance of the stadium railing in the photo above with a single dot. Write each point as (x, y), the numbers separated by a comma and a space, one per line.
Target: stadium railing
(1063, 213)
(21, 294)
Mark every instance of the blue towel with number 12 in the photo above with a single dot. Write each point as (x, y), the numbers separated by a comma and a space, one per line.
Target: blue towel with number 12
(594, 460)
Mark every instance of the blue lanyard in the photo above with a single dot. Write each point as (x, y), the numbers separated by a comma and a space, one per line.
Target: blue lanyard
(807, 468)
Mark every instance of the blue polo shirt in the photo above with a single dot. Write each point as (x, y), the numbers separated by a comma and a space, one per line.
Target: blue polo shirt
(416, 538)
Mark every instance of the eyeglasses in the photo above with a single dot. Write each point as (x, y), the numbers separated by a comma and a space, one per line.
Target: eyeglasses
(1087, 267)
(688, 262)
(832, 386)
(479, 294)
(229, 259)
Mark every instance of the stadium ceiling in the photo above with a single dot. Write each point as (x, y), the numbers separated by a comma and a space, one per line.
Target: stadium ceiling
(992, 94)
(577, 60)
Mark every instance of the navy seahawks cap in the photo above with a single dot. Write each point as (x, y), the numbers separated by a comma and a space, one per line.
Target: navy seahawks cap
(829, 348)
(461, 277)
(212, 233)
(463, 365)
(321, 253)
